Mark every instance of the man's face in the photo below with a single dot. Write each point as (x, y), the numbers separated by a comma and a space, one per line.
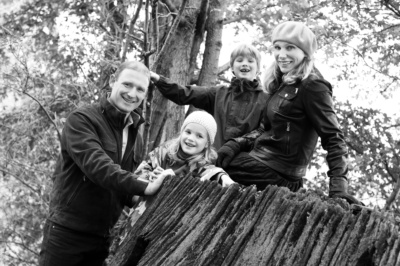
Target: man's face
(129, 90)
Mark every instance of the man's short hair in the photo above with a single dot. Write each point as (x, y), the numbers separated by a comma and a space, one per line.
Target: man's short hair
(133, 65)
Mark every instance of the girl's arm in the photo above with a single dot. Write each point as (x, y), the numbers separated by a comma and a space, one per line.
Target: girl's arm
(201, 97)
(212, 172)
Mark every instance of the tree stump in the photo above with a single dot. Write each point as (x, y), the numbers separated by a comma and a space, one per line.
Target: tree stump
(190, 222)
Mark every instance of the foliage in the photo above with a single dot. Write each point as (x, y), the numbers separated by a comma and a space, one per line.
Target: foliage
(57, 55)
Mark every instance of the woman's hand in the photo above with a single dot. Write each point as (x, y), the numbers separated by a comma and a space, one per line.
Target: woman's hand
(226, 153)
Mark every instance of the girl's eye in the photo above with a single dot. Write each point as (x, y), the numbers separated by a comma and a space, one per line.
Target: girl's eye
(276, 47)
(289, 48)
(200, 136)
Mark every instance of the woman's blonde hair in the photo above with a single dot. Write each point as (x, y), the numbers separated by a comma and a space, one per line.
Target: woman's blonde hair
(273, 74)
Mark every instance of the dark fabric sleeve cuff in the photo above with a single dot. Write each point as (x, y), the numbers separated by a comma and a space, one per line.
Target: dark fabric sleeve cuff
(337, 185)
(139, 187)
(162, 80)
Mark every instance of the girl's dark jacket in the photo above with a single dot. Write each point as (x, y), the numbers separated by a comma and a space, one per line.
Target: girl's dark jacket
(237, 108)
(294, 116)
(92, 183)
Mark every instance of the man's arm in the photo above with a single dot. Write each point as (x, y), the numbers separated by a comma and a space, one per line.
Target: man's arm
(88, 152)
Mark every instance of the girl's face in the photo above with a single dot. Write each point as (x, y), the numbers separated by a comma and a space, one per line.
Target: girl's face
(287, 55)
(245, 67)
(194, 139)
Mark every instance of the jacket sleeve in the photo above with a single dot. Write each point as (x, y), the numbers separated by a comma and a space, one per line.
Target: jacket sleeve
(83, 145)
(247, 141)
(211, 172)
(148, 165)
(318, 105)
(201, 97)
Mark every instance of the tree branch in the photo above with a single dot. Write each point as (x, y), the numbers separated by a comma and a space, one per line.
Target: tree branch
(171, 31)
(131, 26)
(36, 191)
(171, 7)
(47, 113)
(365, 62)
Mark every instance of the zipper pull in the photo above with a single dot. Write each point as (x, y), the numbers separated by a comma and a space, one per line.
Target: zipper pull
(288, 126)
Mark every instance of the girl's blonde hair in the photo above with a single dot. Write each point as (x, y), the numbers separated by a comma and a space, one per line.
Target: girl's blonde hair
(245, 49)
(273, 74)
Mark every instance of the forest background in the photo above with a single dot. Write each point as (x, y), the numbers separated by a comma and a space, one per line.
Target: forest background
(57, 55)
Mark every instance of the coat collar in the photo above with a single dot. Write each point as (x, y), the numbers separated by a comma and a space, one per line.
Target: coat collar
(241, 85)
(115, 117)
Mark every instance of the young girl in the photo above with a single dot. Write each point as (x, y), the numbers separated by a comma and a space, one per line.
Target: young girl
(191, 153)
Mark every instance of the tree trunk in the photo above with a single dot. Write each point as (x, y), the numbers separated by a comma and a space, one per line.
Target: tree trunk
(174, 63)
(190, 222)
(209, 71)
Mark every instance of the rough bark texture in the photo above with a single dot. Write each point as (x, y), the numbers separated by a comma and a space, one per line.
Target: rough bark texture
(199, 223)
(174, 63)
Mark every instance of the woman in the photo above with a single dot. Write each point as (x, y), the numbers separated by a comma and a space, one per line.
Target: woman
(298, 110)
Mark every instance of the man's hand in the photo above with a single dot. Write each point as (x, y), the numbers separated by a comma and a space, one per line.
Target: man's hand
(156, 182)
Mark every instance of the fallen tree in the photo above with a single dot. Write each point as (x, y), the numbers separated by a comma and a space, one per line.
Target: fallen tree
(200, 223)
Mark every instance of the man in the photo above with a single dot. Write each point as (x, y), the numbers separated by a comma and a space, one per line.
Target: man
(94, 179)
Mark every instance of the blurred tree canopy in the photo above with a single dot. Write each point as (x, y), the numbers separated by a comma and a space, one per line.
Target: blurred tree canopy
(57, 55)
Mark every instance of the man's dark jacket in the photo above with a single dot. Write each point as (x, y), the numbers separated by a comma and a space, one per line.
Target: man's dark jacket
(92, 183)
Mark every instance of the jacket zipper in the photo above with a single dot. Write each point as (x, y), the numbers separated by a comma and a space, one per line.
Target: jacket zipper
(288, 137)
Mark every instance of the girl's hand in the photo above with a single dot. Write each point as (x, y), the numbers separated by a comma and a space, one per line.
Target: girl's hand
(166, 173)
(226, 181)
(156, 172)
(154, 76)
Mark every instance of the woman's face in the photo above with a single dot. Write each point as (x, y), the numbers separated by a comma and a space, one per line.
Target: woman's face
(194, 139)
(288, 56)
